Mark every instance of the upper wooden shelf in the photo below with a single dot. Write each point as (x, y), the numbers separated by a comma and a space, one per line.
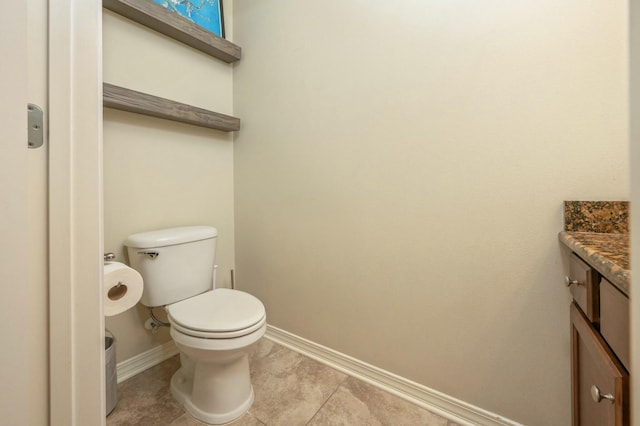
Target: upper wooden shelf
(142, 103)
(156, 17)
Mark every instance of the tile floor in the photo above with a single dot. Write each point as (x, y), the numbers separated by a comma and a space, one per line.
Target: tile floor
(290, 389)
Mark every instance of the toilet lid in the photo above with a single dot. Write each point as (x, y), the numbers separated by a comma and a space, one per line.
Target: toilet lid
(219, 311)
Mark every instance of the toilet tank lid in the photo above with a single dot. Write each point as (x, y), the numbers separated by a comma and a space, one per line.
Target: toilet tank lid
(171, 236)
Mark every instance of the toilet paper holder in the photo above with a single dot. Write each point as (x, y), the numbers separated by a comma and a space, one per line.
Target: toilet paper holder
(117, 292)
(109, 257)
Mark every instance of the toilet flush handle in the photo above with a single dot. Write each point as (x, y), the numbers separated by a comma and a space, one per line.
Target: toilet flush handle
(150, 253)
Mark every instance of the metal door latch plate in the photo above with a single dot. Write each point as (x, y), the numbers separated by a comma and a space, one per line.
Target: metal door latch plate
(35, 129)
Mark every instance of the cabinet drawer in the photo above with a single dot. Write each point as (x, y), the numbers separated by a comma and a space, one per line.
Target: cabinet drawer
(614, 320)
(582, 283)
(595, 369)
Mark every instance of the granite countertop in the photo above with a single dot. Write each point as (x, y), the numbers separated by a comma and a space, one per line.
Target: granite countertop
(598, 232)
(607, 253)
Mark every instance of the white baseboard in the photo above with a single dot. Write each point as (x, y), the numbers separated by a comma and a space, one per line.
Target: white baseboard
(137, 364)
(437, 402)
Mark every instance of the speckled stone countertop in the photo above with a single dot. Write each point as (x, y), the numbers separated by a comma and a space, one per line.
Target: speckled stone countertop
(607, 253)
(596, 216)
(598, 232)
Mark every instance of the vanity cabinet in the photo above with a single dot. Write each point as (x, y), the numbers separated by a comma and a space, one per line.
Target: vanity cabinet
(599, 348)
(597, 235)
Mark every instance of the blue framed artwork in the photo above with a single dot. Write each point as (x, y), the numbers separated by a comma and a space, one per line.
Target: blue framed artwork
(205, 13)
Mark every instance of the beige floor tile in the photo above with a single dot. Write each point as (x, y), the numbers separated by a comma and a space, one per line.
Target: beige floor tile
(246, 420)
(145, 399)
(263, 350)
(358, 403)
(290, 387)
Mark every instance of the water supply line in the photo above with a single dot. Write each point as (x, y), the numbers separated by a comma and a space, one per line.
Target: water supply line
(154, 323)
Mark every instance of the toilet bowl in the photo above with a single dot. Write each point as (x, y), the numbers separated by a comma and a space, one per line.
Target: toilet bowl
(213, 382)
(214, 329)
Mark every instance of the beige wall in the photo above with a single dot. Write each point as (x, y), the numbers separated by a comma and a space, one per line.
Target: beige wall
(400, 174)
(159, 173)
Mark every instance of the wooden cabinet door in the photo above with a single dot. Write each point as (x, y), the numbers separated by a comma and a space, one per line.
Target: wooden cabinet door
(594, 366)
(615, 321)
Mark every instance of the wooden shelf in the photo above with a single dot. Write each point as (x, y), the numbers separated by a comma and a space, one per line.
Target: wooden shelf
(156, 17)
(141, 103)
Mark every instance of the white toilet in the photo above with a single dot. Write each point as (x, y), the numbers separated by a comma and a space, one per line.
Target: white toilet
(213, 329)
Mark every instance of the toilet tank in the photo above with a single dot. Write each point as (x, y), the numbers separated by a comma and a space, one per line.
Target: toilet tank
(175, 263)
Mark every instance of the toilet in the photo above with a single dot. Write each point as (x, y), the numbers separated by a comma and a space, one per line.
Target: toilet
(212, 328)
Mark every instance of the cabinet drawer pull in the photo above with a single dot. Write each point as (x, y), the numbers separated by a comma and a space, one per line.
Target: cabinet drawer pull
(568, 281)
(597, 396)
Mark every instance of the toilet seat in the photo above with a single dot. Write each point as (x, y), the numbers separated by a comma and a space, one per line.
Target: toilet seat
(217, 314)
(217, 335)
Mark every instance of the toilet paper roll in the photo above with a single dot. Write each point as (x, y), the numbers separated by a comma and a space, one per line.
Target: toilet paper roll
(122, 288)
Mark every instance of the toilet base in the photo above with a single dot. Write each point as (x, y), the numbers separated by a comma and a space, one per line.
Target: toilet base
(181, 388)
(214, 382)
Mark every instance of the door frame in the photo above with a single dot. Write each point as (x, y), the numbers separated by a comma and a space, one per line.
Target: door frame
(634, 154)
(76, 330)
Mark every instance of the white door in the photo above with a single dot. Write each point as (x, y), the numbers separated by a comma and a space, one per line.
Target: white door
(76, 324)
(23, 218)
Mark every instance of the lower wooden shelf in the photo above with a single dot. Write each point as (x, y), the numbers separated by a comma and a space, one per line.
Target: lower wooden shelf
(117, 97)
